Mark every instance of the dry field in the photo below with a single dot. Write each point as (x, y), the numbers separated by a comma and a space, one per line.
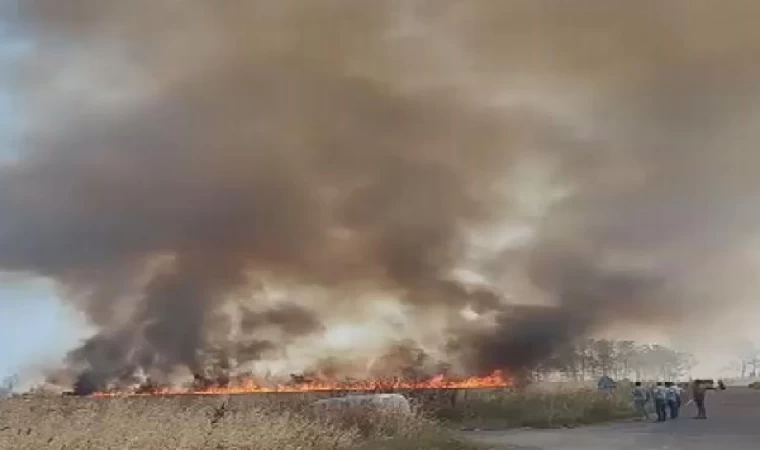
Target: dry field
(538, 409)
(284, 421)
(244, 422)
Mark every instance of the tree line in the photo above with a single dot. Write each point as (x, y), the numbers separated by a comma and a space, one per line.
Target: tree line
(747, 363)
(619, 359)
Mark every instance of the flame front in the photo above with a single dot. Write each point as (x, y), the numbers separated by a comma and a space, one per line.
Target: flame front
(249, 386)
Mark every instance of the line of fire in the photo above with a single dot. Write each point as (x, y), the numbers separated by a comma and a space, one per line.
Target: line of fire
(247, 384)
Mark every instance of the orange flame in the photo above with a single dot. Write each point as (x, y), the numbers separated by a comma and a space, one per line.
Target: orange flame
(249, 386)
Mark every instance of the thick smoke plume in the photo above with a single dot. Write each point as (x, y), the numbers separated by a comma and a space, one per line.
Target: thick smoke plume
(180, 161)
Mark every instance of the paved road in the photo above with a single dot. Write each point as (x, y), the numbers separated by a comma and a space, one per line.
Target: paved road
(733, 424)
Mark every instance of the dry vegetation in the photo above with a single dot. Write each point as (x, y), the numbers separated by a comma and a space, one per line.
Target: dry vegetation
(539, 409)
(202, 423)
(272, 422)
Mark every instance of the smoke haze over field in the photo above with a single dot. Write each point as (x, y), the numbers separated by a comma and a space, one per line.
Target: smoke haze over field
(240, 178)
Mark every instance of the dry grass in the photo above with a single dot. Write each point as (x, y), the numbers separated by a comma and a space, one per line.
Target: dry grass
(204, 423)
(538, 409)
(284, 422)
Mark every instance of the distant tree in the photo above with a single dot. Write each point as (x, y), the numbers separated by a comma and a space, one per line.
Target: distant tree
(650, 362)
(749, 359)
(587, 358)
(625, 352)
(567, 361)
(688, 362)
(604, 354)
(618, 359)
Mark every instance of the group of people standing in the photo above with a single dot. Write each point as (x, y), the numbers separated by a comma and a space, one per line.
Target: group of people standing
(668, 398)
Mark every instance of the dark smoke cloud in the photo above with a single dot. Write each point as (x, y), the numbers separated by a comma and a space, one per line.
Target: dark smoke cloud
(292, 319)
(177, 153)
(585, 297)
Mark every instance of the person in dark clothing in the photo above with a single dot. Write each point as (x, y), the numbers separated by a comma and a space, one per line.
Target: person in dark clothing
(672, 399)
(699, 390)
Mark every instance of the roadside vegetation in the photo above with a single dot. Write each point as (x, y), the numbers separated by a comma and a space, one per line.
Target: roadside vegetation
(569, 408)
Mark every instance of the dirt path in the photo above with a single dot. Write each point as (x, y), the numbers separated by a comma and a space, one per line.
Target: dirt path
(733, 424)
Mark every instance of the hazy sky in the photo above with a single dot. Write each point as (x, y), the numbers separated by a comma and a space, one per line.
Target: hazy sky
(624, 100)
(34, 326)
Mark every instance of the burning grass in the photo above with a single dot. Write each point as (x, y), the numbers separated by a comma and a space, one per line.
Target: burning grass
(299, 384)
(207, 422)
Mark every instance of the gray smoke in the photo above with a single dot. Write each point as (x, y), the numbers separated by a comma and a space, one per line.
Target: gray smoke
(178, 154)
